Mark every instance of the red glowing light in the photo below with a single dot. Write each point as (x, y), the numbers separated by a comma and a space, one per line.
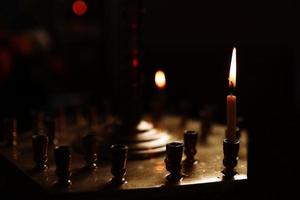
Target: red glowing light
(79, 7)
(135, 62)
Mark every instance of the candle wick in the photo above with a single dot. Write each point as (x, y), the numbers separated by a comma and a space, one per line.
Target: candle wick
(231, 87)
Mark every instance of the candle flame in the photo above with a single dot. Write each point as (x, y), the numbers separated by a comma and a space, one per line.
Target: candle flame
(232, 72)
(160, 79)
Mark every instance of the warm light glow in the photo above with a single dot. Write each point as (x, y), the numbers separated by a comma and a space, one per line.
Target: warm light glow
(232, 73)
(160, 79)
(79, 7)
(144, 125)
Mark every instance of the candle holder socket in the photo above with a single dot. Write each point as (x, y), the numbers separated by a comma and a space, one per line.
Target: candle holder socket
(230, 161)
(118, 159)
(63, 157)
(190, 141)
(173, 158)
(40, 149)
(90, 145)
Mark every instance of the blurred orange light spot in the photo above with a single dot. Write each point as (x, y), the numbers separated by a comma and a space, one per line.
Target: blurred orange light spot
(160, 79)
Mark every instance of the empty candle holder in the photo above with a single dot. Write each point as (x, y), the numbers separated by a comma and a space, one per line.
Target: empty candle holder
(190, 141)
(52, 130)
(206, 117)
(62, 155)
(89, 144)
(230, 160)
(40, 149)
(173, 158)
(118, 160)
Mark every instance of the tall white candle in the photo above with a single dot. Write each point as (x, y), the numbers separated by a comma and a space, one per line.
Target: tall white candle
(231, 100)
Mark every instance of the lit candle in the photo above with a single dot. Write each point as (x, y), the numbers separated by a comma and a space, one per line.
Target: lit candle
(231, 101)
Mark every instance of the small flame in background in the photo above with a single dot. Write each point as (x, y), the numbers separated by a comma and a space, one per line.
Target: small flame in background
(160, 79)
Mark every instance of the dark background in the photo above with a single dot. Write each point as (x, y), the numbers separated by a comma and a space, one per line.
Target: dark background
(51, 56)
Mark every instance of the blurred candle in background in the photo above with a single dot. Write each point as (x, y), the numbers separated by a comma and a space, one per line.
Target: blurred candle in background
(160, 80)
(159, 102)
